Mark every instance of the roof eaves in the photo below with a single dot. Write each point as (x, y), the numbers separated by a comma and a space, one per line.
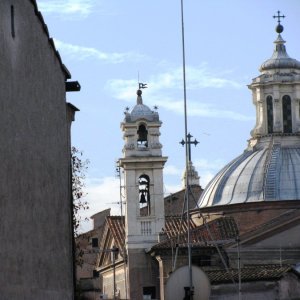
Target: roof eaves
(45, 27)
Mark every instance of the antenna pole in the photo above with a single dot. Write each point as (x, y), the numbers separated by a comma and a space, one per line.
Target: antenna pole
(118, 171)
(187, 159)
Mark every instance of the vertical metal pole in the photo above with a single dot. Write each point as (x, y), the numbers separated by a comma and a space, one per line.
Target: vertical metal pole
(126, 297)
(121, 199)
(186, 157)
(239, 269)
(119, 172)
(114, 272)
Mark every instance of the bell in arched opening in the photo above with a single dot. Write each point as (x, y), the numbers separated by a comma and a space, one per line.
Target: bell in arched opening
(142, 132)
(144, 195)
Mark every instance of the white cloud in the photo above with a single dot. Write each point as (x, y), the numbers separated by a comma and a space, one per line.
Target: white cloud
(207, 169)
(164, 86)
(200, 109)
(196, 78)
(102, 193)
(76, 52)
(172, 188)
(210, 165)
(172, 170)
(69, 8)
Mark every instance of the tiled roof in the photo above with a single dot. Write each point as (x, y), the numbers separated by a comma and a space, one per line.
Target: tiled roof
(174, 225)
(116, 225)
(249, 273)
(217, 231)
(221, 230)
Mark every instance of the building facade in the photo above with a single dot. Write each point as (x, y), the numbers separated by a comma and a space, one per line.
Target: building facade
(244, 233)
(36, 205)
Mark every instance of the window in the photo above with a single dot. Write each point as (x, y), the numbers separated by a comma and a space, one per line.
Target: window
(287, 114)
(149, 292)
(94, 242)
(12, 20)
(144, 195)
(201, 261)
(270, 114)
(95, 274)
(142, 141)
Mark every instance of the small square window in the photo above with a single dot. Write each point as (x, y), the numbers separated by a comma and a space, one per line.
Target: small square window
(95, 274)
(94, 242)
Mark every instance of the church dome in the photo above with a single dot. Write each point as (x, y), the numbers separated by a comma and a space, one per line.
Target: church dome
(269, 169)
(264, 173)
(280, 59)
(141, 111)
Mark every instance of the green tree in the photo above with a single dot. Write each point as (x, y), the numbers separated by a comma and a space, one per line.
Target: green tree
(79, 168)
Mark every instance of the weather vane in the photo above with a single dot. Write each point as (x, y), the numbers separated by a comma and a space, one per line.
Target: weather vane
(142, 85)
(279, 17)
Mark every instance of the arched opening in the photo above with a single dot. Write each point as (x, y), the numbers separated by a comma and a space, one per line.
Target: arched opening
(144, 195)
(270, 114)
(142, 141)
(287, 114)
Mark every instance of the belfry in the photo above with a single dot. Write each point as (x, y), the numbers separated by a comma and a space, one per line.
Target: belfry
(143, 178)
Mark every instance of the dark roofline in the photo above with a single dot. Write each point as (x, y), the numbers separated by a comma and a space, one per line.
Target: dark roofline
(51, 42)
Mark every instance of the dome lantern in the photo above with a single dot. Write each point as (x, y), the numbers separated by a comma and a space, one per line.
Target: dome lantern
(269, 169)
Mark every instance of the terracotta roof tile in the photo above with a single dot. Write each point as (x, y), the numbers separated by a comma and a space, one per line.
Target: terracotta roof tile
(174, 225)
(116, 225)
(220, 230)
(249, 273)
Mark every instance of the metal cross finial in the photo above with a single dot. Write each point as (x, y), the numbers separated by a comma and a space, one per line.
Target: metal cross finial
(279, 16)
(189, 142)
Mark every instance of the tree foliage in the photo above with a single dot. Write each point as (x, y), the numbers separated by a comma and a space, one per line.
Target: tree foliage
(79, 168)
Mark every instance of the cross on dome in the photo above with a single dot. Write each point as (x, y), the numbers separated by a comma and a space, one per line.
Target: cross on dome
(279, 16)
(279, 27)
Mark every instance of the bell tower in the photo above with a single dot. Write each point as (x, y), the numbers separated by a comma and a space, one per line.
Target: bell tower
(143, 173)
(143, 165)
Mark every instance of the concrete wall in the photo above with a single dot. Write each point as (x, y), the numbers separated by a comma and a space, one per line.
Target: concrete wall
(35, 210)
(143, 272)
(287, 288)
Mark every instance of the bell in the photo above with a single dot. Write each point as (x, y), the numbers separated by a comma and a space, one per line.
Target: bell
(143, 198)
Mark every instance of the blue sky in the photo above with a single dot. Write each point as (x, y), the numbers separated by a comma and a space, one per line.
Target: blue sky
(108, 45)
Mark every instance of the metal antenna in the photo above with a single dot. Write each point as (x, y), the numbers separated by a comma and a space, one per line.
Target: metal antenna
(191, 291)
(118, 174)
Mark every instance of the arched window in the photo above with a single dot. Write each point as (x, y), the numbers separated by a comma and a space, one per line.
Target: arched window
(142, 141)
(270, 114)
(144, 195)
(287, 114)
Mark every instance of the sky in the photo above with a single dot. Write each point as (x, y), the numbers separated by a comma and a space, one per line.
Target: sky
(110, 46)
